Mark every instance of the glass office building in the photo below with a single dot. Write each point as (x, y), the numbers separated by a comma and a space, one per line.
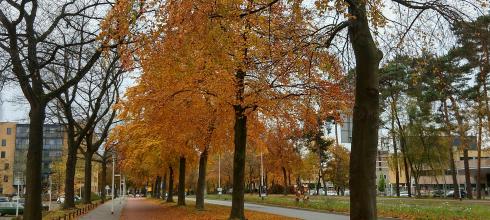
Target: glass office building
(52, 150)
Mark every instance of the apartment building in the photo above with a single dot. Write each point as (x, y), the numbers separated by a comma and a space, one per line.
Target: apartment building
(14, 142)
(7, 152)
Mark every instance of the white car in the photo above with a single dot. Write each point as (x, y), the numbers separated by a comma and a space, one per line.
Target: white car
(404, 194)
(61, 199)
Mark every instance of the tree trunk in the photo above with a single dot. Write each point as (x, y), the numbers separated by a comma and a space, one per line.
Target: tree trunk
(164, 185)
(71, 164)
(181, 196)
(478, 166)
(451, 154)
(395, 151)
(87, 187)
(158, 187)
(201, 181)
(403, 144)
(318, 181)
(366, 116)
(33, 207)
(454, 173)
(240, 139)
(170, 197)
(464, 144)
(104, 179)
(417, 186)
(285, 181)
(469, 188)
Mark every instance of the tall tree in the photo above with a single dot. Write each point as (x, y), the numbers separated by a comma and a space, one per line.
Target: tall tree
(35, 36)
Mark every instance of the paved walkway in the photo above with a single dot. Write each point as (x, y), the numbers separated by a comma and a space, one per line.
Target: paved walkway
(104, 211)
(143, 209)
(289, 212)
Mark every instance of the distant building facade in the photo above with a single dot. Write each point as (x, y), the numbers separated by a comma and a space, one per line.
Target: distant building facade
(430, 180)
(14, 139)
(7, 152)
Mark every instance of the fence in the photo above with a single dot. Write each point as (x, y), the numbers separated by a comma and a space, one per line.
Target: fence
(78, 212)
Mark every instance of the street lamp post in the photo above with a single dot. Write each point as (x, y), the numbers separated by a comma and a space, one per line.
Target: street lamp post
(18, 197)
(219, 175)
(49, 192)
(261, 176)
(112, 192)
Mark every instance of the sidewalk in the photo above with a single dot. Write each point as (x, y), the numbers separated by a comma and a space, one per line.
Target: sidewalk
(104, 211)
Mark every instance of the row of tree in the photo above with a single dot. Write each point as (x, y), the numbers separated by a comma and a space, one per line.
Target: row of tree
(430, 102)
(221, 73)
(52, 53)
(261, 64)
(250, 61)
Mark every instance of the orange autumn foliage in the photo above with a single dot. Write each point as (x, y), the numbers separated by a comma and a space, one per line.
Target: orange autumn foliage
(203, 60)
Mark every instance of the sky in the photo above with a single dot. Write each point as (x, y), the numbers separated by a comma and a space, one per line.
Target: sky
(13, 106)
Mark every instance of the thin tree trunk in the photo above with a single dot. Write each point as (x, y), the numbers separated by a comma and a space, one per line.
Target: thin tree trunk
(451, 154)
(478, 169)
(181, 195)
(366, 116)
(237, 207)
(417, 186)
(469, 188)
(87, 187)
(157, 188)
(33, 207)
(395, 150)
(285, 181)
(170, 197)
(153, 188)
(71, 163)
(318, 181)
(336, 135)
(403, 146)
(201, 181)
(164, 185)
(454, 174)
(464, 144)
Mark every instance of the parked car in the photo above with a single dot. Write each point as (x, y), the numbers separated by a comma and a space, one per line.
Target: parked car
(61, 199)
(320, 191)
(404, 193)
(346, 192)
(438, 193)
(4, 199)
(10, 208)
(451, 193)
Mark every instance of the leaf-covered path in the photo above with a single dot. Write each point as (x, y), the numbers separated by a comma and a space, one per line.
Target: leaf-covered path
(152, 209)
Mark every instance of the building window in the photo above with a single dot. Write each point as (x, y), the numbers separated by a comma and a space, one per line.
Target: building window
(2, 155)
(6, 166)
(1, 190)
(9, 131)
(4, 142)
(5, 178)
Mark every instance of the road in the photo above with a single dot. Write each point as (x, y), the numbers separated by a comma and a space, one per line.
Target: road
(289, 212)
